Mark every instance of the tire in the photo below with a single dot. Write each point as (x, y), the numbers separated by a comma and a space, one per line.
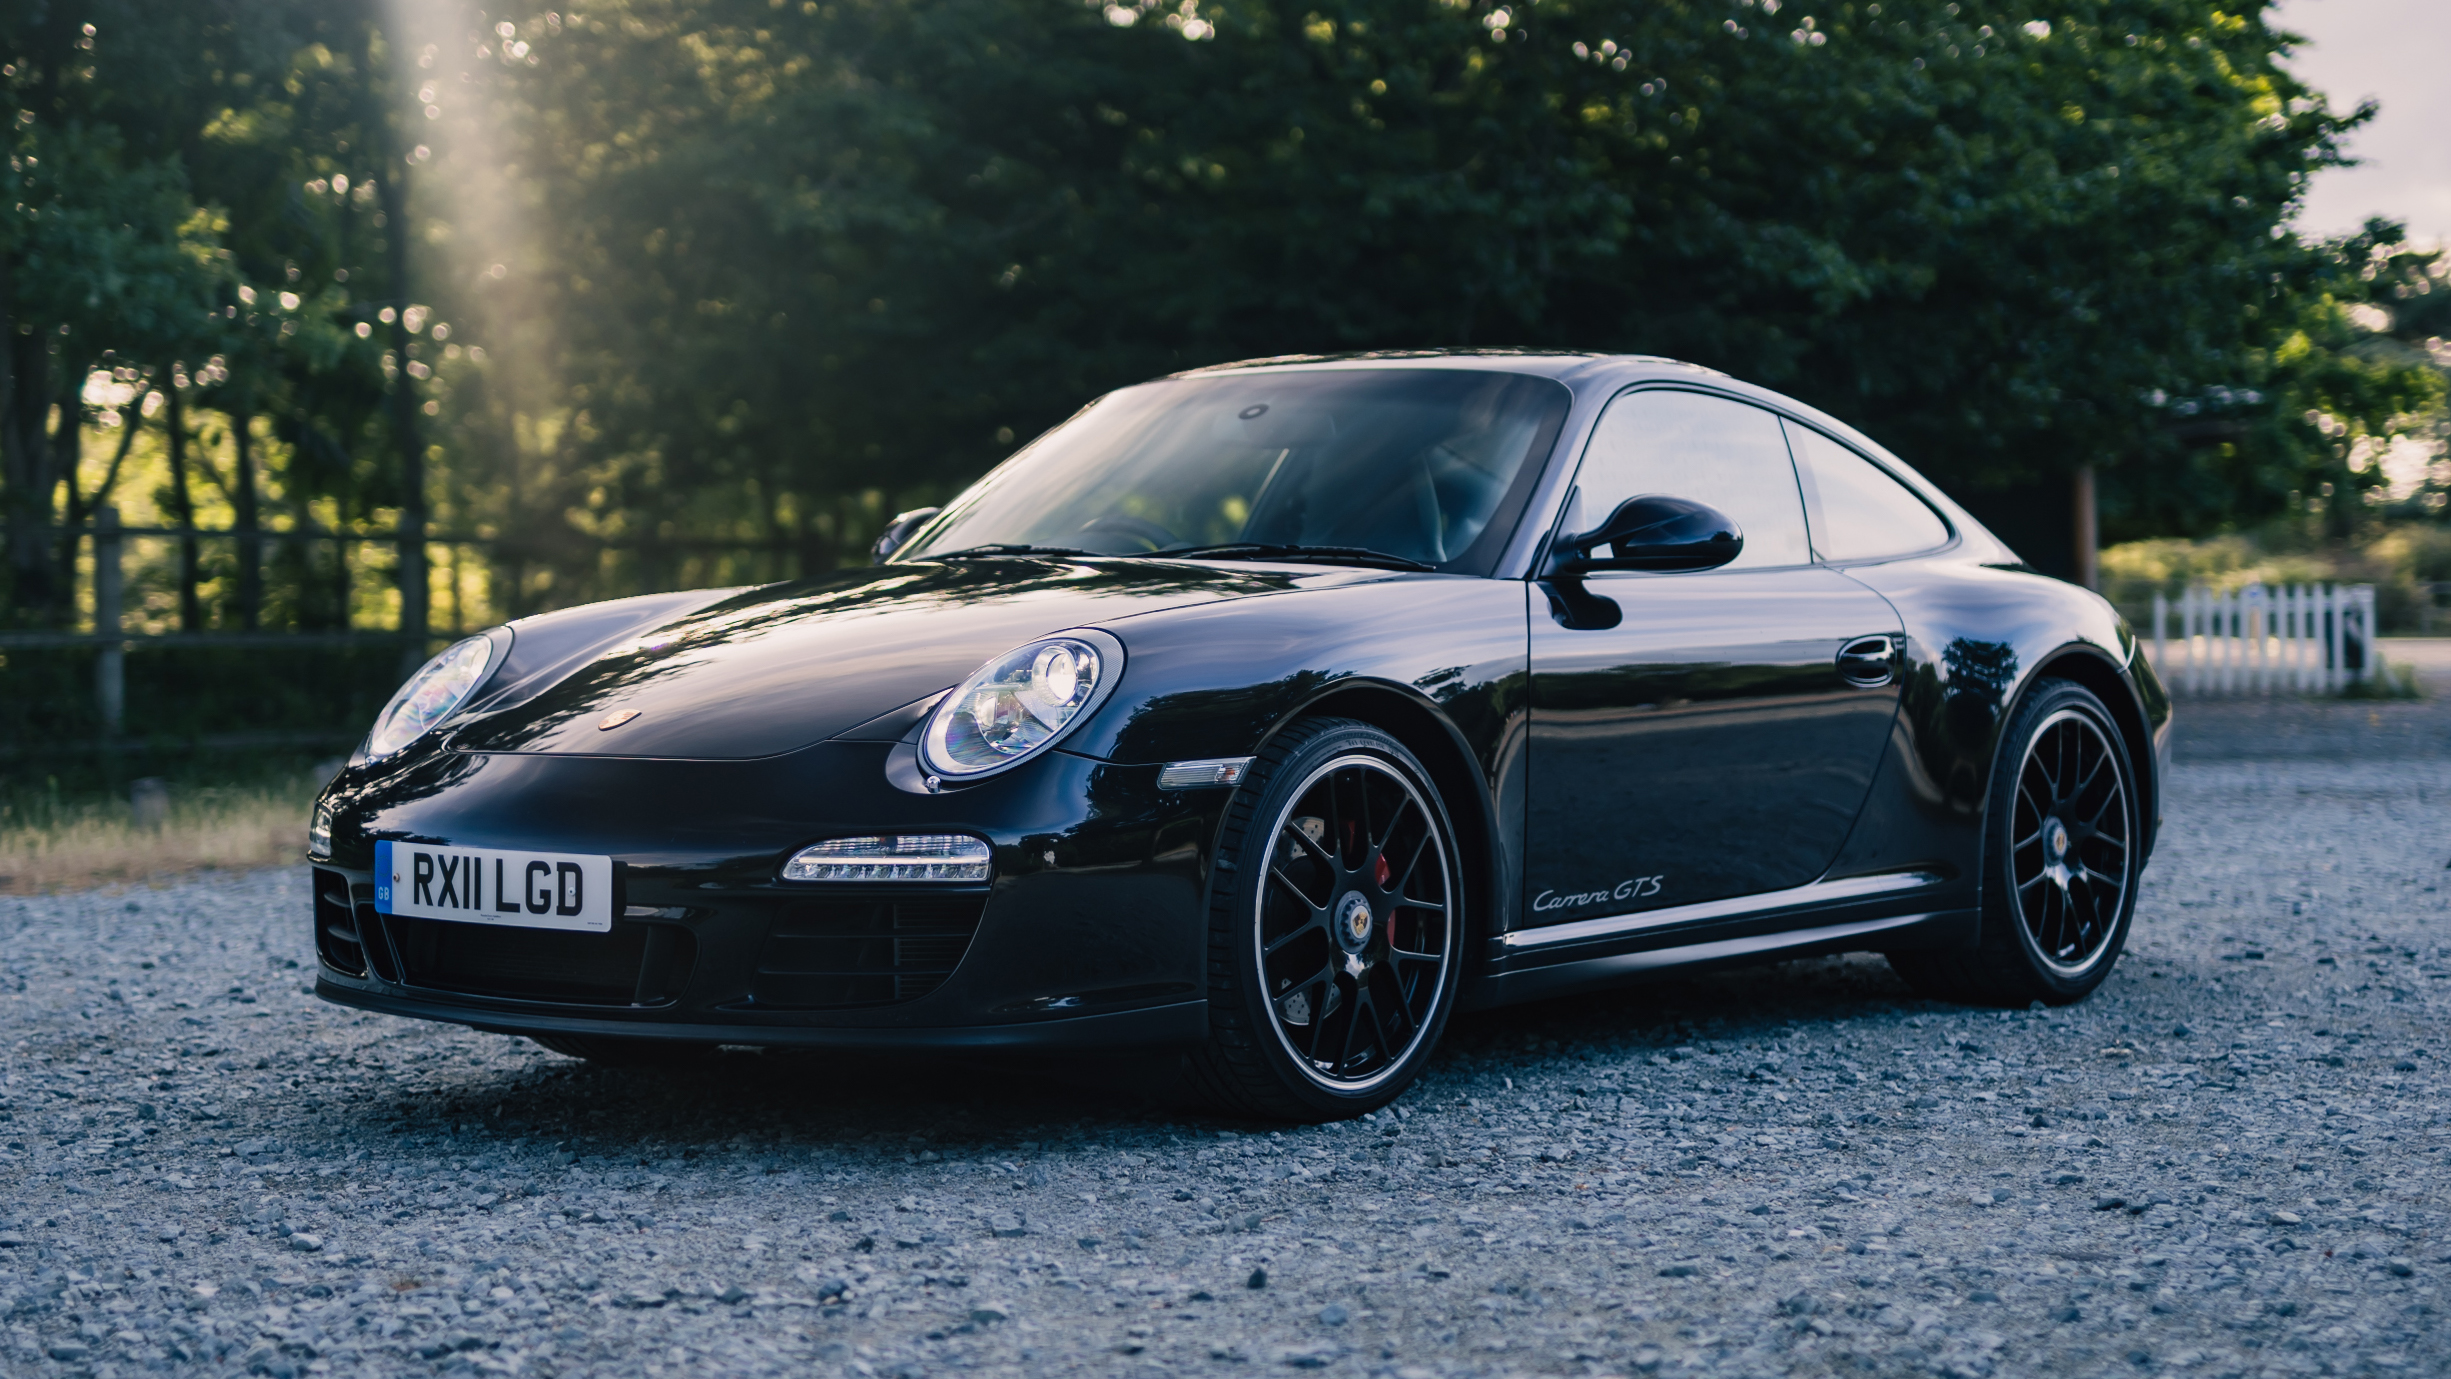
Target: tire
(1336, 927)
(2060, 859)
(613, 1051)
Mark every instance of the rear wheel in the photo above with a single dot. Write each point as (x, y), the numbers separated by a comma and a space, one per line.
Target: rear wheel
(1335, 927)
(2059, 863)
(612, 1051)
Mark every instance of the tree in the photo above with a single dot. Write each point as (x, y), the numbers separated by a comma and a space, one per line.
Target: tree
(789, 251)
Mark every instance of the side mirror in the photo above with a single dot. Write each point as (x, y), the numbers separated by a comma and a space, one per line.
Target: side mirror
(898, 531)
(1654, 532)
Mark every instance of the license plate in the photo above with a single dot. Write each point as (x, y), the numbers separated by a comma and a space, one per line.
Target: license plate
(525, 890)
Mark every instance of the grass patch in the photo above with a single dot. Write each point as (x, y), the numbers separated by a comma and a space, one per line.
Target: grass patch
(2385, 681)
(52, 843)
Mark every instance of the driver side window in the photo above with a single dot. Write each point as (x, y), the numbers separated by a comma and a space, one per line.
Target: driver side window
(1712, 450)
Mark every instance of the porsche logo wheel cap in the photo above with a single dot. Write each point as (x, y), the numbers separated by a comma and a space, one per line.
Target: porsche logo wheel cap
(1353, 919)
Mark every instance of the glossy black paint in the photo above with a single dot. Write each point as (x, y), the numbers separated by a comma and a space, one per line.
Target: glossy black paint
(1650, 532)
(1705, 746)
(1699, 727)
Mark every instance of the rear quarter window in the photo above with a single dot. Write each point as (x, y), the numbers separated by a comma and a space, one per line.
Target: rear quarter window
(1856, 510)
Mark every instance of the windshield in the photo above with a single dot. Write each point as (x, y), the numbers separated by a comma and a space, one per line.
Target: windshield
(1426, 465)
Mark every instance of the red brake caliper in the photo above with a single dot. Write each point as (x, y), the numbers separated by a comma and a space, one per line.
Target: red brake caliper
(1386, 873)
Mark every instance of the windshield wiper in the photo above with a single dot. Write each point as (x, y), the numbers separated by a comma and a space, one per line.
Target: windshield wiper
(1324, 555)
(1004, 548)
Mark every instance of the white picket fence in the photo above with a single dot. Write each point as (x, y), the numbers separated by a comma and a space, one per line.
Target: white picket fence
(2303, 638)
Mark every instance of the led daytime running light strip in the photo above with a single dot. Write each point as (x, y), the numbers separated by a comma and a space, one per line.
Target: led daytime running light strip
(907, 857)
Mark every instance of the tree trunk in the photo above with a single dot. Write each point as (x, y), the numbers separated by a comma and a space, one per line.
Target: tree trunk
(391, 193)
(250, 524)
(25, 467)
(2085, 537)
(183, 507)
(67, 455)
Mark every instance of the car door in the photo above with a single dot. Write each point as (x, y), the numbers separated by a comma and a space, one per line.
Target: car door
(1709, 743)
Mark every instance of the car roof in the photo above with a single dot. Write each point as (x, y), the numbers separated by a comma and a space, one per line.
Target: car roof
(1594, 378)
(1564, 365)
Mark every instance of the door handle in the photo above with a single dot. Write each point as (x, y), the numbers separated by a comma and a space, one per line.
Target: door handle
(1869, 662)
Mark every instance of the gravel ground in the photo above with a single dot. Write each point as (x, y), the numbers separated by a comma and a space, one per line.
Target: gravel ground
(2229, 1162)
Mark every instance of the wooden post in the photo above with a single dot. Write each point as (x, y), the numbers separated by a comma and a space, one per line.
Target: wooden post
(250, 523)
(2086, 533)
(111, 666)
(2161, 636)
(182, 502)
(2336, 663)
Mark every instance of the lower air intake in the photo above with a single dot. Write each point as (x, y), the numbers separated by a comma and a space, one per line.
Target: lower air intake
(863, 952)
(337, 940)
(634, 964)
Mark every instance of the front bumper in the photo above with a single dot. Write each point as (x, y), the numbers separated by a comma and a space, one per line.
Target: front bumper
(1182, 1022)
(1092, 932)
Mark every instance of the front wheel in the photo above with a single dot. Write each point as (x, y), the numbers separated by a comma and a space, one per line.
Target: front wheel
(1335, 927)
(2061, 853)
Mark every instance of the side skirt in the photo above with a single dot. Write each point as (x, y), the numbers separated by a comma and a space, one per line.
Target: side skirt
(1934, 929)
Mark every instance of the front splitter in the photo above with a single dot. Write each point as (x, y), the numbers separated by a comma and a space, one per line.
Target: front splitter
(1183, 1022)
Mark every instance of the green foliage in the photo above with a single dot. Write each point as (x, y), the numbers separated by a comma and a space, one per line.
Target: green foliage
(792, 250)
(753, 273)
(177, 694)
(2408, 563)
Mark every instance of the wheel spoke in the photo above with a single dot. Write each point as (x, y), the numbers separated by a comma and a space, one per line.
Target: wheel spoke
(1317, 1014)
(1399, 1009)
(2025, 796)
(1364, 841)
(2090, 773)
(1353, 1026)
(1317, 923)
(2115, 797)
(1309, 902)
(1305, 843)
(2097, 838)
(2042, 767)
(1400, 880)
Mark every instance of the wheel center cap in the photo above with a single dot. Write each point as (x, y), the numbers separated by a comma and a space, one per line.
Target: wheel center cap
(2056, 840)
(1353, 920)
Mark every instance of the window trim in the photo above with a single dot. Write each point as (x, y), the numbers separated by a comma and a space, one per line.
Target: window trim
(1566, 502)
(1811, 491)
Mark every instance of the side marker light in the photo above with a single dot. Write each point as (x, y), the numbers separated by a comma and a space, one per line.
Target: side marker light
(1192, 775)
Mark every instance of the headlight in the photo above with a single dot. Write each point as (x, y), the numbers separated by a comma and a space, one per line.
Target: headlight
(1018, 704)
(319, 831)
(433, 694)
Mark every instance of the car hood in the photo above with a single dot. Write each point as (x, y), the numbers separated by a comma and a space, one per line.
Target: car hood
(776, 668)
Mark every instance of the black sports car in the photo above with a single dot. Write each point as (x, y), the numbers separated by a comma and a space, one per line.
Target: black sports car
(1273, 711)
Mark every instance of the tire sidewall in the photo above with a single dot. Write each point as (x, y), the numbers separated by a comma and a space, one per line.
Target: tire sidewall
(2006, 930)
(1235, 919)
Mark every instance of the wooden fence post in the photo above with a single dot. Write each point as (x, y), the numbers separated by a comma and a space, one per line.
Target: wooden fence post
(111, 664)
(2161, 635)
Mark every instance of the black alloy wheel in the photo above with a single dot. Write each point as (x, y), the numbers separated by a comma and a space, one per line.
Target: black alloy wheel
(1335, 927)
(2063, 838)
(2073, 831)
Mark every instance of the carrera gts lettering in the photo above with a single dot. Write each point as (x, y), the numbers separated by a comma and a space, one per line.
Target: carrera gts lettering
(1632, 888)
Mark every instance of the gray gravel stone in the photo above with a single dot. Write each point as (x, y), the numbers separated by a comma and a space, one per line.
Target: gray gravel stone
(2230, 1162)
